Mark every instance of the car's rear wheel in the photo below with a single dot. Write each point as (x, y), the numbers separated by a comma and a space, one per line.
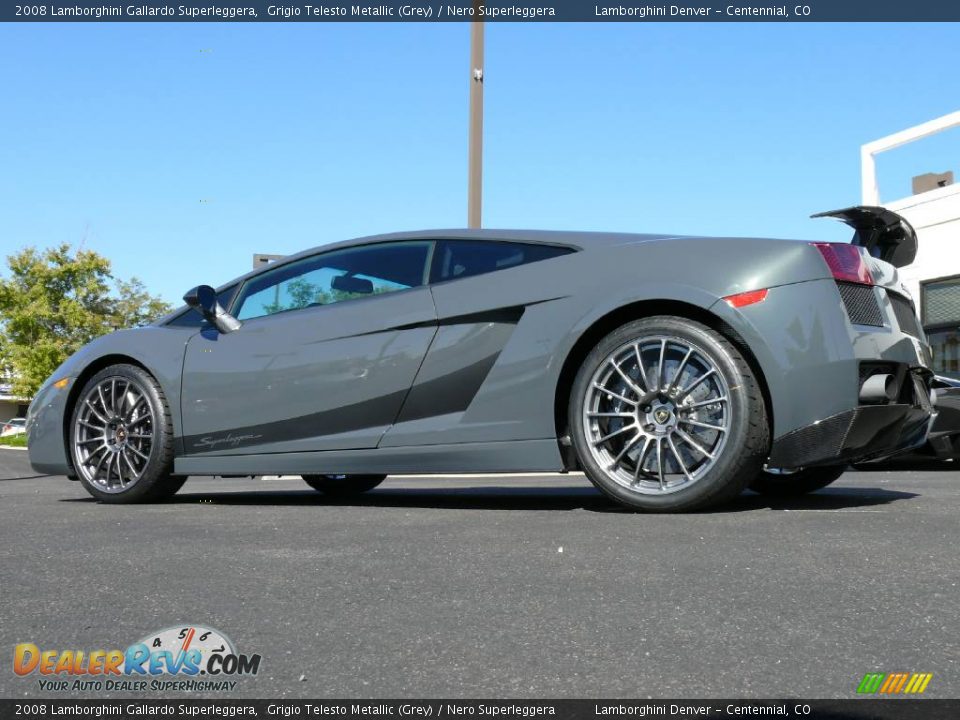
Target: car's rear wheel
(121, 438)
(666, 415)
(343, 485)
(808, 480)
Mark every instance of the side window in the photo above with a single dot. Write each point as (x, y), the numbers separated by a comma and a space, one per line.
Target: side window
(333, 277)
(940, 309)
(191, 318)
(465, 258)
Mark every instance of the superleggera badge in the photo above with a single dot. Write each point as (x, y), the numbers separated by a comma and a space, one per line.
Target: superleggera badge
(230, 440)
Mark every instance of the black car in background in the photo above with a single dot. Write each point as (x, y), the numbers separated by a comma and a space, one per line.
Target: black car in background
(943, 442)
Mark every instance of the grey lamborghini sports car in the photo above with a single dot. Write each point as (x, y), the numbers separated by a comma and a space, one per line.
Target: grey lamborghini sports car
(674, 371)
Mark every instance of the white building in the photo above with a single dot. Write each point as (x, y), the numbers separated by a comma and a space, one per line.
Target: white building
(10, 406)
(934, 277)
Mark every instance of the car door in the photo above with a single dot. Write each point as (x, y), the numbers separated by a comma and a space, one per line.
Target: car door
(474, 386)
(327, 351)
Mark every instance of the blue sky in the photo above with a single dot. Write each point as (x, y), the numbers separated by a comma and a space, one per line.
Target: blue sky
(180, 164)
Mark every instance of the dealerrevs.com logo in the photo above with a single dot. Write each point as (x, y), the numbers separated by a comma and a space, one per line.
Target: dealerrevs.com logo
(183, 657)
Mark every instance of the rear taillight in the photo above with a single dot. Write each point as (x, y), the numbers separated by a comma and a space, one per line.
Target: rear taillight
(846, 262)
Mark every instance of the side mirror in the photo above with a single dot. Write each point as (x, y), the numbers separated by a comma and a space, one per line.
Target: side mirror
(203, 299)
(353, 285)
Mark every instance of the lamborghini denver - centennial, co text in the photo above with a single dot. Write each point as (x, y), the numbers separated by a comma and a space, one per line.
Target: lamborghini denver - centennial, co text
(674, 371)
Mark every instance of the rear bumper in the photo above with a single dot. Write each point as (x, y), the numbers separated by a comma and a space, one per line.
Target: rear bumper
(866, 432)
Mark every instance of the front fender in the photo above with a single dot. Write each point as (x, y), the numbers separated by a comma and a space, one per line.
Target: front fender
(45, 422)
(160, 350)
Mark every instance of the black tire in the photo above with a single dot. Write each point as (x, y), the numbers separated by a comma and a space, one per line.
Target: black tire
(155, 481)
(343, 485)
(740, 458)
(795, 484)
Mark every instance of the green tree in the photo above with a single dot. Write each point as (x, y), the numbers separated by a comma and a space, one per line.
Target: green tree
(134, 306)
(55, 301)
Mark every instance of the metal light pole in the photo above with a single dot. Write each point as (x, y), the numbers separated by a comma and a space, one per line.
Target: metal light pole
(475, 164)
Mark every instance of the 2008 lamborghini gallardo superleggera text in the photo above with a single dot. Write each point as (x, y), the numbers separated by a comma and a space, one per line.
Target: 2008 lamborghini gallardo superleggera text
(674, 371)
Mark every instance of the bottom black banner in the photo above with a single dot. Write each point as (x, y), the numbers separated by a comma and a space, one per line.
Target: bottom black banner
(494, 709)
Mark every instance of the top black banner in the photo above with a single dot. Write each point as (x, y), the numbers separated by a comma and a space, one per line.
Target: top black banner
(486, 10)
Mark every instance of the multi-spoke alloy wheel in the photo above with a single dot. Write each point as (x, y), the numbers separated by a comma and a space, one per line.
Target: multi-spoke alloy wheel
(666, 415)
(343, 485)
(120, 437)
(794, 484)
(656, 415)
(113, 434)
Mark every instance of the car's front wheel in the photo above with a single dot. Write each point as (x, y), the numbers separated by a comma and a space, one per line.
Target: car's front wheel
(808, 480)
(666, 415)
(343, 485)
(121, 439)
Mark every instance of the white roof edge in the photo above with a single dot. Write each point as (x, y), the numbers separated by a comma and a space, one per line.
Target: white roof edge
(923, 198)
(870, 191)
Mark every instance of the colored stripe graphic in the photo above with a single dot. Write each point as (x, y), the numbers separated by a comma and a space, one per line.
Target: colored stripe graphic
(894, 683)
(901, 681)
(889, 683)
(871, 682)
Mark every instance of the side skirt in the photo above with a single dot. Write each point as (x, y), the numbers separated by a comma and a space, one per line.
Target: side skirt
(492, 457)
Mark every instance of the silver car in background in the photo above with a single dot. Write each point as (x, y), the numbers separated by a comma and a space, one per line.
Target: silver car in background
(13, 426)
(674, 371)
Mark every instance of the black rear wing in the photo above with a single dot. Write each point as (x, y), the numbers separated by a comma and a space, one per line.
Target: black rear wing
(883, 233)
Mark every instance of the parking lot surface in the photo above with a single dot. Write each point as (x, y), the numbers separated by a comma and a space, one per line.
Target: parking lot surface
(532, 586)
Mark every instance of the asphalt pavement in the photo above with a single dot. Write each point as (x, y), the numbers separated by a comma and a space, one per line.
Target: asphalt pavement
(532, 586)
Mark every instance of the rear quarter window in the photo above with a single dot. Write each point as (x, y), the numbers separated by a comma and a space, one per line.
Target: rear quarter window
(456, 259)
